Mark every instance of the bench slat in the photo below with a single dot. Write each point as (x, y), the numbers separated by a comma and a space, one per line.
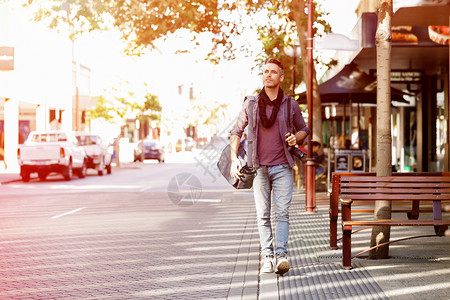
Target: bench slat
(371, 210)
(394, 197)
(384, 222)
(395, 191)
(394, 184)
(396, 178)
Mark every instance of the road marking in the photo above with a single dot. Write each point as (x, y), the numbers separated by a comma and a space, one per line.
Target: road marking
(68, 213)
(144, 189)
(202, 200)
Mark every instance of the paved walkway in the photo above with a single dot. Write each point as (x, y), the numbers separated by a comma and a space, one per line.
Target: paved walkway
(417, 269)
(309, 277)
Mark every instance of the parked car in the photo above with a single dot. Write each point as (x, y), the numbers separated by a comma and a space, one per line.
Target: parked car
(46, 152)
(152, 150)
(99, 153)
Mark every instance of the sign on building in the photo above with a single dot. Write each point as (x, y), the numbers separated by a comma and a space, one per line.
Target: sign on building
(6, 58)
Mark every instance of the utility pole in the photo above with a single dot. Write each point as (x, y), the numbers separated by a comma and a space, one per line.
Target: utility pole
(310, 165)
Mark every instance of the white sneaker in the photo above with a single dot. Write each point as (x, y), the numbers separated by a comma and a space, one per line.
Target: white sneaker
(267, 266)
(282, 264)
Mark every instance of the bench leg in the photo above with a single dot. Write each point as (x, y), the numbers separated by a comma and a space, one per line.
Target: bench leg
(414, 214)
(347, 248)
(437, 214)
(333, 234)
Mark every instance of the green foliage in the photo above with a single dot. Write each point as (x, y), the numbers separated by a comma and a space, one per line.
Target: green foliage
(274, 48)
(142, 22)
(103, 109)
(149, 110)
(73, 16)
(116, 109)
(280, 33)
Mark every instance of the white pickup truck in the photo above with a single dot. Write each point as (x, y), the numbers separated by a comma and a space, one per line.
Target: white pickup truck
(99, 153)
(45, 152)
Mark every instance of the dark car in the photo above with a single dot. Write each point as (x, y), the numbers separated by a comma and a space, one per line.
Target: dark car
(152, 150)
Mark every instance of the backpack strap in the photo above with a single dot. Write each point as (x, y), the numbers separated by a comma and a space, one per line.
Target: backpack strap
(251, 104)
(288, 119)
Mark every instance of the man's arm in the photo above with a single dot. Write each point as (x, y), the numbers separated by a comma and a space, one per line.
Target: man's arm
(300, 137)
(235, 142)
(296, 139)
(300, 125)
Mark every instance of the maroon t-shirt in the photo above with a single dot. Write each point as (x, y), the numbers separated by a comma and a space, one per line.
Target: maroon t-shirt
(270, 144)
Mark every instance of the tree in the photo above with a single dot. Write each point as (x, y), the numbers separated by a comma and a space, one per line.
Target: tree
(292, 18)
(142, 22)
(72, 16)
(381, 234)
(124, 105)
(147, 112)
(108, 109)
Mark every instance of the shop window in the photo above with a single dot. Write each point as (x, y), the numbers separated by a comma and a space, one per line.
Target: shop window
(55, 115)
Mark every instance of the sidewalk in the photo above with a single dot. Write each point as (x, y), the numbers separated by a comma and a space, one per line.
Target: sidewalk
(418, 269)
(310, 277)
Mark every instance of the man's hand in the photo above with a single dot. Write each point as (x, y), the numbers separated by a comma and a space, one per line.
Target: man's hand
(235, 163)
(234, 169)
(291, 139)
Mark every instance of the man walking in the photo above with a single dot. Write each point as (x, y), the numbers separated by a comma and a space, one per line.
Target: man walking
(273, 162)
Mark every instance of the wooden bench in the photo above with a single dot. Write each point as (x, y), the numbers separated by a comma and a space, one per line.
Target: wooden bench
(334, 210)
(391, 188)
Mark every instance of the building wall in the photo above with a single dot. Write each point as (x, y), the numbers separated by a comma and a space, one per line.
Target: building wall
(40, 82)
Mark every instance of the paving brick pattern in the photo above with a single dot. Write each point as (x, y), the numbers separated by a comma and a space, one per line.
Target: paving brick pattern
(309, 278)
(126, 250)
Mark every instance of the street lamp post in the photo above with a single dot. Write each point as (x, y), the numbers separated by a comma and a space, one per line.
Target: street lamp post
(327, 117)
(310, 165)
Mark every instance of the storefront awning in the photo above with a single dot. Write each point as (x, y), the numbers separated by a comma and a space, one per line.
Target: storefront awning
(351, 83)
(419, 39)
(422, 14)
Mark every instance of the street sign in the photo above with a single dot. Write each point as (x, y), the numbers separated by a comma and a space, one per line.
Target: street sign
(6, 58)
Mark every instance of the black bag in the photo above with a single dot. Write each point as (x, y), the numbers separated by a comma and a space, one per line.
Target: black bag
(224, 163)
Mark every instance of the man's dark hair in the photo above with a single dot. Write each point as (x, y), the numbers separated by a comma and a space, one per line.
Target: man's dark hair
(277, 62)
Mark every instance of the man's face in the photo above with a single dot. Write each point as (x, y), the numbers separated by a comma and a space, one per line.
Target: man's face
(272, 77)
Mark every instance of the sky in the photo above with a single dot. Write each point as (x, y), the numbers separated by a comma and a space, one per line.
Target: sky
(342, 17)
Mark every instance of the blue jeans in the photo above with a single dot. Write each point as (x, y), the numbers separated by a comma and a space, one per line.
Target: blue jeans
(276, 184)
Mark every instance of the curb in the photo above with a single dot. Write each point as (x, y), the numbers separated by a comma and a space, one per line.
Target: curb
(7, 181)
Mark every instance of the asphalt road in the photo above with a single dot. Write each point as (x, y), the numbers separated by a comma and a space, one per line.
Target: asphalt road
(148, 230)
